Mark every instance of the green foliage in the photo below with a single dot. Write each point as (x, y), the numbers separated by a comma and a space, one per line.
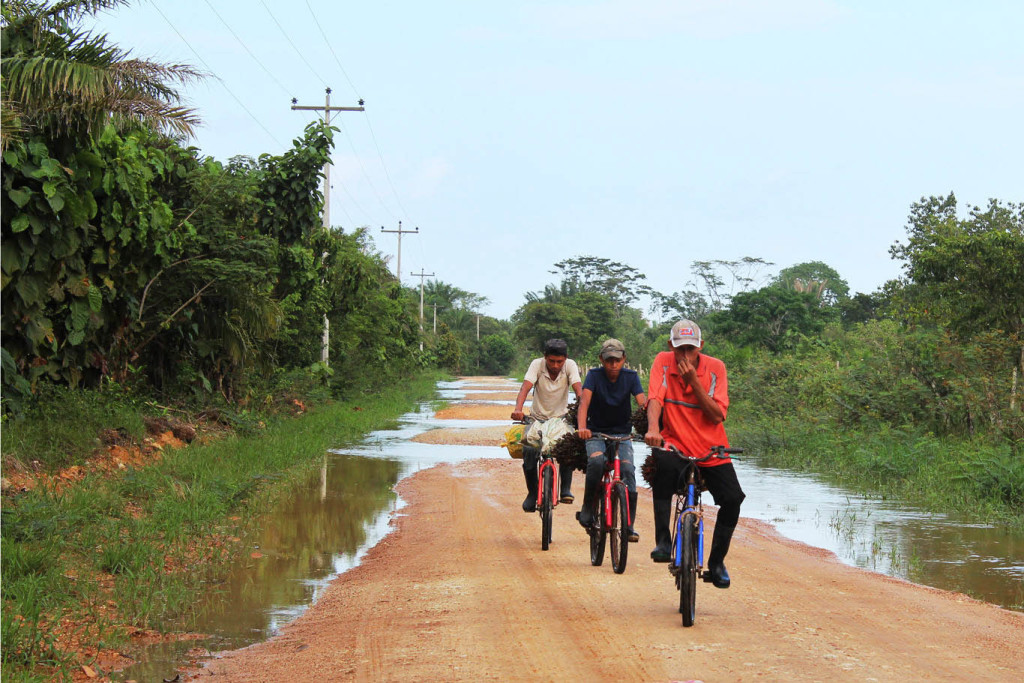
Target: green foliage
(773, 317)
(496, 354)
(967, 274)
(70, 83)
(815, 277)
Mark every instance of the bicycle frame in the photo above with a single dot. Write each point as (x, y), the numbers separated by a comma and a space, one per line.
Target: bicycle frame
(612, 474)
(690, 503)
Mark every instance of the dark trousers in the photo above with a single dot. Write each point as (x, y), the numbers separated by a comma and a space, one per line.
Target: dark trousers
(721, 481)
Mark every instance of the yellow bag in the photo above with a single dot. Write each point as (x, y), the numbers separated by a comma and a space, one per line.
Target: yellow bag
(514, 441)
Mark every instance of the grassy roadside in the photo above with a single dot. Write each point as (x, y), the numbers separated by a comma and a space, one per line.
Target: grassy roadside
(112, 556)
(973, 478)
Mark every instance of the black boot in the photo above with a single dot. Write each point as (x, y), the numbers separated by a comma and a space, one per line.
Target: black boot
(634, 537)
(565, 475)
(595, 470)
(663, 550)
(717, 573)
(530, 503)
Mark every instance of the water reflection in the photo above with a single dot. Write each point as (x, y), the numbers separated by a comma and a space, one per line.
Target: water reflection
(980, 560)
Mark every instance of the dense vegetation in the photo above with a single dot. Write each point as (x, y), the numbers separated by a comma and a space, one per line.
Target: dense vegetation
(139, 278)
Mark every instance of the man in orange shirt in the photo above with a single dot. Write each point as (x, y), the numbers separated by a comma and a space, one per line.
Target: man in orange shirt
(687, 403)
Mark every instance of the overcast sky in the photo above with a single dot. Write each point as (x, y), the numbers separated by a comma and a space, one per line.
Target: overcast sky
(651, 132)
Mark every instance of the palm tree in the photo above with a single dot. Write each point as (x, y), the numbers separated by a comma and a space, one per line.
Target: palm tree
(66, 81)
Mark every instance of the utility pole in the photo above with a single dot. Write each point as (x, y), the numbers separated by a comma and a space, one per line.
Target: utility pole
(435, 318)
(400, 232)
(421, 275)
(327, 109)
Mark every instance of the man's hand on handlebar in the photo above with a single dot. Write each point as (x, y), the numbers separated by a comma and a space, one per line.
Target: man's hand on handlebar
(653, 438)
(584, 433)
(517, 415)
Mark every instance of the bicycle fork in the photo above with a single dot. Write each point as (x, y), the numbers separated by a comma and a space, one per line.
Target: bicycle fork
(609, 479)
(550, 464)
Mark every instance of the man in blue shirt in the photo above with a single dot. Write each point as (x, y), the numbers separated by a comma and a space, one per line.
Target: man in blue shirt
(605, 407)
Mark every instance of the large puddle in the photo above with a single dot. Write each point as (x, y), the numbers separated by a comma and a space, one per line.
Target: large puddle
(342, 510)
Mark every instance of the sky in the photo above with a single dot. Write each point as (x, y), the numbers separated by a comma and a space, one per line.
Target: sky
(654, 133)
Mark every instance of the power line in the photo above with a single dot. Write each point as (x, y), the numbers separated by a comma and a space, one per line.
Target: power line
(297, 51)
(324, 35)
(373, 136)
(246, 47)
(224, 85)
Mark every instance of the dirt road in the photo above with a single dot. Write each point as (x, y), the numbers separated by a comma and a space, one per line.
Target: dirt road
(461, 591)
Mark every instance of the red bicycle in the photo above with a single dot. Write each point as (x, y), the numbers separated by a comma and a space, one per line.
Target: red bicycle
(613, 513)
(547, 492)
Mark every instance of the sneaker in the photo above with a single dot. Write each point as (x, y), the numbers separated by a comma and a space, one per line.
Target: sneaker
(633, 537)
(566, 498)
(530, 503)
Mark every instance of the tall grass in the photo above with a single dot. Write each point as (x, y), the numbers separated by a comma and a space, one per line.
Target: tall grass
(977, 478)
(140, 541)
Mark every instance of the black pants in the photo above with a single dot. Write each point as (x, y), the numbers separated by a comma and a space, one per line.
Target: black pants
(721, 481)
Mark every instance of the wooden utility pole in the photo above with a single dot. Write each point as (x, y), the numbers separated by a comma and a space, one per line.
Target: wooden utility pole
(421, 275)
(398, 270)
(326, 109)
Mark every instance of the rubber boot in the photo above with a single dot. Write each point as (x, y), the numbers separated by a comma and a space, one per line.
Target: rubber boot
(595, 470)
(565, 476)
(663, 549)
(634, 537)
(717, 573)
(530, 503)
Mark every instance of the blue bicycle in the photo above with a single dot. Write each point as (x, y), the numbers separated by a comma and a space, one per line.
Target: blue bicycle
(687, 564)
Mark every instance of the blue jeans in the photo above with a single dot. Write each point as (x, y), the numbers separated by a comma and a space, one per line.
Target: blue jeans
(596, 463)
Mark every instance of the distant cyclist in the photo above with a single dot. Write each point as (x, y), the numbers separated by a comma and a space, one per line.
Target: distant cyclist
(606, 408)
(689, 394)
(550, 378)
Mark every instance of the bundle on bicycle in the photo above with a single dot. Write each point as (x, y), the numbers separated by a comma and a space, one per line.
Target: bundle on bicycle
(546, 486)
(604, 422)
(549, 378)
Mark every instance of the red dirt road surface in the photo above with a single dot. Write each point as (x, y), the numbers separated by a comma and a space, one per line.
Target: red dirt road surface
(461, 591)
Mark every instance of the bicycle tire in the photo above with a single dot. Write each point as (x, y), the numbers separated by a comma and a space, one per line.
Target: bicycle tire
(546, 505)
(619, 530)
(598, 536)
(688, 570)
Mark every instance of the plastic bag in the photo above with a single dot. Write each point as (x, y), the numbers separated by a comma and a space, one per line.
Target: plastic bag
(544, 435)
(514, 441)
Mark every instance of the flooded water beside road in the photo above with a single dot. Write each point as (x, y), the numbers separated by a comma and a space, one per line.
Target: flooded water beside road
(328, 523)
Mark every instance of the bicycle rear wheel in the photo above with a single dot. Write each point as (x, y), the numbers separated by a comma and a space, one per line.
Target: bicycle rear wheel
(546, 504)
(619, 530)
(687, 539)
(598, 535)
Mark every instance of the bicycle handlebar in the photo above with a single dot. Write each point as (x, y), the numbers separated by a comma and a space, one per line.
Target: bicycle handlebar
(714, 452)
(609, 437)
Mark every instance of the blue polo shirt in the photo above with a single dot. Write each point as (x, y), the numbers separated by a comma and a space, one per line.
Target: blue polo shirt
(610, 408)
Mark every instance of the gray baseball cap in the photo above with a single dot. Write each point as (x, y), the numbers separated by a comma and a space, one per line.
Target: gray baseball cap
(612, 348)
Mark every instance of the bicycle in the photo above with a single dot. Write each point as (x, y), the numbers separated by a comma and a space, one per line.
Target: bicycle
(687, 563)
(547, 487)
(613, 513)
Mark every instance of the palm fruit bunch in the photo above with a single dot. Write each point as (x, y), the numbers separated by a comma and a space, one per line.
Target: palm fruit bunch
(649, 469)
(570, 449)
(639, 420)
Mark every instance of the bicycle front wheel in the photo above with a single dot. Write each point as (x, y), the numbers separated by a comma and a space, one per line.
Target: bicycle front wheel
(546, 504)
(687, 539)
(619, 530)
(598, 535)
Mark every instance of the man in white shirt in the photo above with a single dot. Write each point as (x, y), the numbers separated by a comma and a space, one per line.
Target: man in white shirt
(550, 378)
